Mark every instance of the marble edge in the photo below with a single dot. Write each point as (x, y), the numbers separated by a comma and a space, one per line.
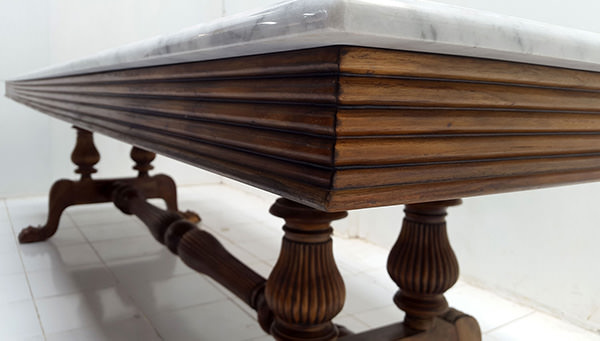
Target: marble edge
(412, 25)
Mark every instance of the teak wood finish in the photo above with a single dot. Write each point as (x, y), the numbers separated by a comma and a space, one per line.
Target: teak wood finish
(65, 193)
(332, 129)
(305, 290)
(339, 128)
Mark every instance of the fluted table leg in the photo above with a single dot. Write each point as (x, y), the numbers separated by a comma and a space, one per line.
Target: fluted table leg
(423, 265)
(305, 289)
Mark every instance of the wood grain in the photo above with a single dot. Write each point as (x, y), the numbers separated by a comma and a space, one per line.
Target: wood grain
(341, 127)
(381, 62)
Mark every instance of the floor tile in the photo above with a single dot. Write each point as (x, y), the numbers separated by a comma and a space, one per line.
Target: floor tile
(133, 329)
(155, 296)
(152, 267)
(247, 232)
(14, 288)
(111, 250)
(363, 294)
(361, 255)
(352, 323)
(5, 227)
(380, 317)
(19, 321)
(25, 206)
(237, 301)
(381, 277)
(266, 250)
(221, 320)
(8, 244)
(67, 236)
(44, 256)
(262, 268)
(238, 251)
(538, 326)
(98, 214)
(92, 308)
(261, 338)
(37, 220)
(117, 230)
(477, 302)
(32, 211)
(218, 220)
(10, 263)
(138, 290)
(61, 281)
(3, 210)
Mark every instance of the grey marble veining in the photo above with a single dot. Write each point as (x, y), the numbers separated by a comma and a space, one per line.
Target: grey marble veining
(414, 25)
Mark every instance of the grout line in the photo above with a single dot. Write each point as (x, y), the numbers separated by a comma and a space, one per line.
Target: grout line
(33, 300)
(116, 279)
(509, 322)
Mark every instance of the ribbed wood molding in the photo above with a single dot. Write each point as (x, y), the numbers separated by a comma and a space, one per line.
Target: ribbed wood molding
(340, 128)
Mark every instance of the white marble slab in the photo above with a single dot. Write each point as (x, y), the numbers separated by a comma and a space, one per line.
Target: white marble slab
(414, 25)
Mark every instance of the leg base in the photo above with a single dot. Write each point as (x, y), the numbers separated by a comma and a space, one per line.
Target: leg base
(452, 326)
(65, 193)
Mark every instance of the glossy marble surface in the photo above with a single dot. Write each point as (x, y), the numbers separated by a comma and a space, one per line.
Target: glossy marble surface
(415, 25)
(89, 283)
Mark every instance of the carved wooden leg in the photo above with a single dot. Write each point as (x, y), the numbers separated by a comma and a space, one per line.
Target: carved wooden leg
(424, 266)
(143, 161)
(143, 164)
(61, 197)
(305, 289)
(65, 193)
(85, 156)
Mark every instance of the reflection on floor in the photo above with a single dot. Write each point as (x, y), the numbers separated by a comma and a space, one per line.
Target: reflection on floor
(102, 277)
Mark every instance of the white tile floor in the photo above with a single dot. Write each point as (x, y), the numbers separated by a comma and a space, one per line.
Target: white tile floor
(102, 277)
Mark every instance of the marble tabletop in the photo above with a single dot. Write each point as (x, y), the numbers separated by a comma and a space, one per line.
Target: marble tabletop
(414, 25)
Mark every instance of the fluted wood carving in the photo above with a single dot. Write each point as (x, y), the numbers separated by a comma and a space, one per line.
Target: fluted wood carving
(423, 264)
(85, 155)
(305, 289)
(198, 249)
(143, 161)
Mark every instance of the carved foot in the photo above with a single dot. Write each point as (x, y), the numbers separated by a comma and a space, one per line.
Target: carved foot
(61, 197)
(467, 328)
(32, 234)
(191, 216)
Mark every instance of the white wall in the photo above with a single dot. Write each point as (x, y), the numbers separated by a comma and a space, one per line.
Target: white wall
(537, 246)
(35, 149)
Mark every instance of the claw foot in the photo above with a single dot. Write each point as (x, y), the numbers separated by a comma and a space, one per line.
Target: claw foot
(32, 234)
(191, 216)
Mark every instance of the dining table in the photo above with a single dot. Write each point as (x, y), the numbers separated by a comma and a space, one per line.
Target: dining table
(333, 105)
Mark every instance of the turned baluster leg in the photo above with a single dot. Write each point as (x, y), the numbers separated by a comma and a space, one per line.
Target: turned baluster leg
(143, 164)
(85, 155)
(424, 266)
(143, 161)
(64, 192)
(305, 289)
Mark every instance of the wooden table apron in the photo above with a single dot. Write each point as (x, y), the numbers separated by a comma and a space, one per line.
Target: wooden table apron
(339, 128)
